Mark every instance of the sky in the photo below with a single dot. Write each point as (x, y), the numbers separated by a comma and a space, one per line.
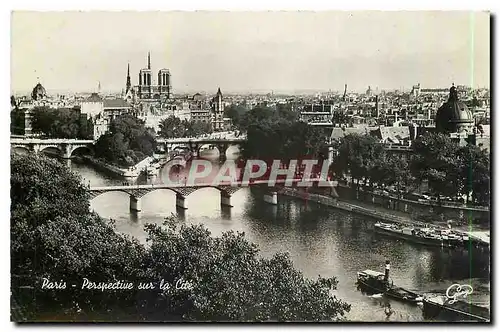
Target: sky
(250, 51)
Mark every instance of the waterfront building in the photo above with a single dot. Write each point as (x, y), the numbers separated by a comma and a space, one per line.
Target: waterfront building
(103, 111)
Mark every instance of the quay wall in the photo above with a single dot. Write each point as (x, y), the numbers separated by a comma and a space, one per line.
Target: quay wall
(422, 211)
(133, 171)
(334, 202)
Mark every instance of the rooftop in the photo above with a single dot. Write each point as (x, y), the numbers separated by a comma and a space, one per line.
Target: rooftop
(116, 103)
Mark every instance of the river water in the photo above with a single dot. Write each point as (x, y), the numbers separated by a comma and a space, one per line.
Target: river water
(320, 240)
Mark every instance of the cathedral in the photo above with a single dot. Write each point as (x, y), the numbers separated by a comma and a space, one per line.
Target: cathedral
(147, 90)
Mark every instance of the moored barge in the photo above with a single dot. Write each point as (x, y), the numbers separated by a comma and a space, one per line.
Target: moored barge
(378, 282)
(423, 235)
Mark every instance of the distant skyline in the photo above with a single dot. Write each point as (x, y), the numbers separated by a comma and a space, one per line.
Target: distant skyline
(251, 51)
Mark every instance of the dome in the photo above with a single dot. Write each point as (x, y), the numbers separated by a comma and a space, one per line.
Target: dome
(38, 92)
(454, 114)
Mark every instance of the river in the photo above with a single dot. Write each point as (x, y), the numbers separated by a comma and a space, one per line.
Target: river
(320, 240)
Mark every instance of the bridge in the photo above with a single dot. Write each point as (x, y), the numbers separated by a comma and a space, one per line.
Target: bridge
(136, 192)
(194, 144)
(65, 147)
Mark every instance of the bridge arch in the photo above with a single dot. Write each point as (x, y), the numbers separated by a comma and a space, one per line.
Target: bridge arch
(20, 149)
(81, 148)
(221, 148)
(100, 193)
(43, 149)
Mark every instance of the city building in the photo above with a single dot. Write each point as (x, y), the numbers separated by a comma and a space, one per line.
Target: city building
(103, 111)
(217, 116)
(454, 116)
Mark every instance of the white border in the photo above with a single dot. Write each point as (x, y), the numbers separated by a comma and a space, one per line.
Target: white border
(189, 5)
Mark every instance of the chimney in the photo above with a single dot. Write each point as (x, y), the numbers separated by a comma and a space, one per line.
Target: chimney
(376, 106)
(387, 268)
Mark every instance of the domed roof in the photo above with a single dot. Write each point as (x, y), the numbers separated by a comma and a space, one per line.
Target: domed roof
(38, 92)
(453, 112)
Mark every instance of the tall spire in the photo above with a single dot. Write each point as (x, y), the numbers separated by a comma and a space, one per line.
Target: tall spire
(129, 84)
(149, 61)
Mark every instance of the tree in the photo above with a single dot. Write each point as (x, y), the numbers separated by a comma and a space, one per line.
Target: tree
(196, 128)
(359, 156)
(13, 102)
(127, 142)
(236, 114)
(53, 235)
(171, 127)
(232, 282)
(17, 122)
(476, 174)
(437, 161)
(60, 123)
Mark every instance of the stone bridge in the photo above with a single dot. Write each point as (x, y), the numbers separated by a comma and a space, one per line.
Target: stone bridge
(136, 192)
(65, 147)
(196, 143)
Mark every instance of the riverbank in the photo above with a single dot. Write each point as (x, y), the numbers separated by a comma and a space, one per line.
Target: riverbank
(378, 212)
(130, 172)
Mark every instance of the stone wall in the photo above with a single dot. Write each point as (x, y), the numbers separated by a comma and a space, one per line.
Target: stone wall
(423, 211)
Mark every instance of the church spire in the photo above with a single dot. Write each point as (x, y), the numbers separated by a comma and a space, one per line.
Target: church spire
(129, 84)
(149, 61)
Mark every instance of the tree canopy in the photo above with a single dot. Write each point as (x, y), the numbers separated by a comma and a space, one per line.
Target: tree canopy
(450, 170)
(291, 139)
(236, 113)
(61, 123)
(54, 236)
(173, 127)
(126, 143)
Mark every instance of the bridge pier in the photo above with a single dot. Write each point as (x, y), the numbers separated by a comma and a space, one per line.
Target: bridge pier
(271, 198)
(180, 201)
(225, 199)
(135, 204)
(66, 151)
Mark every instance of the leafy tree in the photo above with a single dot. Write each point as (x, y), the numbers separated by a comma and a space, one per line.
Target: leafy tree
(397, 173)
(53, 235)
(476, 174)
(127, 142)
(236, 113)
(291, 140)
(17, 125)
(196, 128)
(13, 102)
(437, 161)
(340, 117)
(60, 123)
(358, 156)
(173, 127)
(232, 282)
(257, 115)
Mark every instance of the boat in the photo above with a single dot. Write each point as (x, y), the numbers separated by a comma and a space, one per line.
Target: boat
(379, 282)
(440, 307)
(423, 235)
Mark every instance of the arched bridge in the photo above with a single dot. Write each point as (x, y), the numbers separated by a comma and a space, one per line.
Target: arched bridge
(196, 143)
(65, 147)
(136, 192)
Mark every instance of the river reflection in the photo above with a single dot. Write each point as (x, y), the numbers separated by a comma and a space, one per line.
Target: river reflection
(320, 241)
